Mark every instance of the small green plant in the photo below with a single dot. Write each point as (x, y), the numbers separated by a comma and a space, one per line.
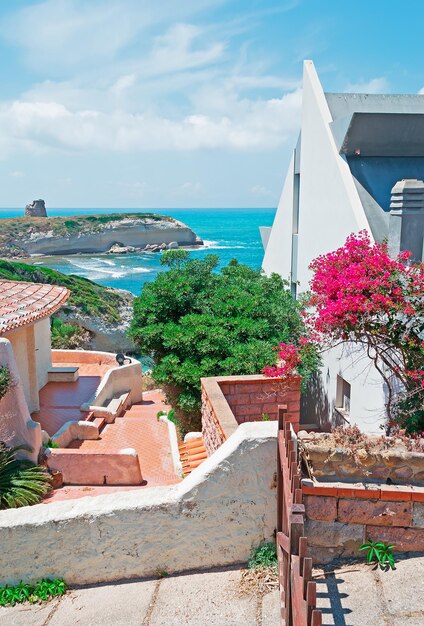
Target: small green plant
(51, 444)
(265, 417)
(5, 381)
(379, 552)
(264, 555)
(42, 591)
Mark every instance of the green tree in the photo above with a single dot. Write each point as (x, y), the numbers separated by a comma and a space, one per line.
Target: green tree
(196, 321)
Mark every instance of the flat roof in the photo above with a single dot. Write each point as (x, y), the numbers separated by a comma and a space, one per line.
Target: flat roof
(24, 303)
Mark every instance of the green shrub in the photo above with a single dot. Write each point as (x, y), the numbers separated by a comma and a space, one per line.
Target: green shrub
(22, 483)
(42, 591)
(264, 556)
(197, 321)
(51, 444)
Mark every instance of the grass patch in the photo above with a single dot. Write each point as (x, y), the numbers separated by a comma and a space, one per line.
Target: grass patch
(42, 591)
(264, 555)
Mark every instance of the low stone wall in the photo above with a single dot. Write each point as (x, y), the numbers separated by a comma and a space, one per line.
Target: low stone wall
(90, 357)
(340, 517)
(212, 518)
(391, 462)
(91, 467)
(228, 401)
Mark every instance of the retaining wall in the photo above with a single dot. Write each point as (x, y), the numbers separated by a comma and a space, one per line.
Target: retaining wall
(212, 518)
(340, 517)
(228, 401)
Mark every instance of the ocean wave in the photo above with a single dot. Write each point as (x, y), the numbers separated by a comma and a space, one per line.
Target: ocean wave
(220, 245)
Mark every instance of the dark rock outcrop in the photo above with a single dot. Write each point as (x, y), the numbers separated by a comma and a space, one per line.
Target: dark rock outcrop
(36, 208)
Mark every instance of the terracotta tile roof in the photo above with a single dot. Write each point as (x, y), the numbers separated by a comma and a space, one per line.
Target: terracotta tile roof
(24, 303)
(192, 454)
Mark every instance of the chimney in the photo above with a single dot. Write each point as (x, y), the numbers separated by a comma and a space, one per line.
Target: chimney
(406, 225)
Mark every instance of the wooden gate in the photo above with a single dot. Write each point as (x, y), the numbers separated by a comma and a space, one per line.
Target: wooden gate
(297, 590)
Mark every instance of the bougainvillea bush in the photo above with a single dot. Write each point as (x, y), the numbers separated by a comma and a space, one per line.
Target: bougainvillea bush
(360, 295)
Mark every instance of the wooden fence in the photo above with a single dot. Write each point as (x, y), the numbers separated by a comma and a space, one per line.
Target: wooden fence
(297, 590)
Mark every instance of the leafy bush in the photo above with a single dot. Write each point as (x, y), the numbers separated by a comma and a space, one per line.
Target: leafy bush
(44, 590)
(67, 336)
(22, 483)
(264, 556)
(5, 381)
(196, 321)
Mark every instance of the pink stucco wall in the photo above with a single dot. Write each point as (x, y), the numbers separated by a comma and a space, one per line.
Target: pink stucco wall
(96, 468)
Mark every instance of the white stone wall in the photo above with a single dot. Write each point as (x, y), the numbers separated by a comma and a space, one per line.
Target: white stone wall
(16, 426)
(213, 517)
(43, 350)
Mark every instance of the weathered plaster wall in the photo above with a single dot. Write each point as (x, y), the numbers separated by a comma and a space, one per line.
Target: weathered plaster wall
(43, 350)
(90, 467)
(213, 517)
(16, 425)
(23, 344)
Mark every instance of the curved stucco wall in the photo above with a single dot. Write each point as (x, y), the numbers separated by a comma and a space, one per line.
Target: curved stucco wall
(212, 518)
(16, 425)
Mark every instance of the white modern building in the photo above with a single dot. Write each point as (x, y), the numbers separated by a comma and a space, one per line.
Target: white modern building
(351, 152)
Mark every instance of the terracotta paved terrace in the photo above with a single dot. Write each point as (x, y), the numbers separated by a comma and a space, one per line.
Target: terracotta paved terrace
(60, 402)
(137, 428)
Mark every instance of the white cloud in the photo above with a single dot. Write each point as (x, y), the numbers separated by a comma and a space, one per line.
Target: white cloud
(259, 124)
(375, 85)
(260, 191)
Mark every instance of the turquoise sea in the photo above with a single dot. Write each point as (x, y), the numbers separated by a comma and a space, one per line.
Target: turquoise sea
(229, 233)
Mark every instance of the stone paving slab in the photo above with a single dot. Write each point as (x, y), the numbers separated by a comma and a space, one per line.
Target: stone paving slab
(125, 603)
(359, 595)
(208, 598)
(198, 599)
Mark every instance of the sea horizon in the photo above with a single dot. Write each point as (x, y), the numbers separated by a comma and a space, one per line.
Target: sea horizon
(229, 233)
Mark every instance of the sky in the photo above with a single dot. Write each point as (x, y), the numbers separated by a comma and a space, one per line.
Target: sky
(180, 103)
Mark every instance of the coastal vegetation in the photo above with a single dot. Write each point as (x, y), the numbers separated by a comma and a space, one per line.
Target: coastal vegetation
(22, 483)
(87, 297)
(87, 300)
(197, 321)
(14, 228)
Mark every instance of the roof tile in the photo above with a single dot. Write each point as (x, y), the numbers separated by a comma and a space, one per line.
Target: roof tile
(23, 303)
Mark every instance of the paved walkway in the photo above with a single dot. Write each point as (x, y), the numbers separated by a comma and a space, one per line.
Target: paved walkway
(198, 599)
(360, 595)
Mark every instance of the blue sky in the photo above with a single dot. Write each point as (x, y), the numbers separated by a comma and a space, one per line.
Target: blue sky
(180, 103)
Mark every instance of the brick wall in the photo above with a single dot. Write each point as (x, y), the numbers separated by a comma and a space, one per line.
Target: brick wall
(340, 518)
(228, 401)
(249, 400)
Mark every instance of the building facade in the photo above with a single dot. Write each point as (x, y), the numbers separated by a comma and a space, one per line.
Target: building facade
(358, 165)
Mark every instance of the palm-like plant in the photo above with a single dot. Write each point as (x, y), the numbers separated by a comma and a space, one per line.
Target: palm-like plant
(22, 483)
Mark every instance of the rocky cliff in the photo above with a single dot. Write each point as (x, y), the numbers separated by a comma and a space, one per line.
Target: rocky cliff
(94, 317)
(91, 234)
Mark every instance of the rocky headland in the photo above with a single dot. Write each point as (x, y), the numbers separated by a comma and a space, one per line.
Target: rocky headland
(94, 317)
(117, 233)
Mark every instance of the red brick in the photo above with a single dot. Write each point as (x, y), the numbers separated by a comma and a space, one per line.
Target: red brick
(405, 539)
(321, 508)
(248, 388)
(417, 494)
(355, 492)
(396, 492)
(319, 490)
(252, 409)
(374, 512)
